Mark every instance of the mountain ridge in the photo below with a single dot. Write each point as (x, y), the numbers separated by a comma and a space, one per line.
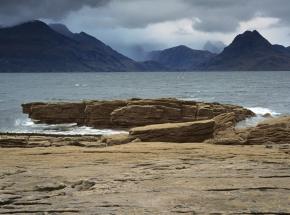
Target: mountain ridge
(251, 51)
(37, 47)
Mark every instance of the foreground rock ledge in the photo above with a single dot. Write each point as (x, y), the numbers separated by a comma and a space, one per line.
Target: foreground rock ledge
(146, 178)
(130, 113)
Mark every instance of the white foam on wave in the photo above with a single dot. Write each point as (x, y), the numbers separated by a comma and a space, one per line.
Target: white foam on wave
(263, 111)
(253, 121)
(28, 126)
(190, 99)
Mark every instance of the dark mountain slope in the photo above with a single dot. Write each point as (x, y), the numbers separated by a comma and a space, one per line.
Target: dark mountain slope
(251, 51)
(35, 47)
(92, 42)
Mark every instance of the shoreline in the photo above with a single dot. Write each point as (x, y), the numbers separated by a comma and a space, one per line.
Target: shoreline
(201, 166)
(152, 120)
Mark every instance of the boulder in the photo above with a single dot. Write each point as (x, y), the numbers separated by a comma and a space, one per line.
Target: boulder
(196, 131)
(267, 115)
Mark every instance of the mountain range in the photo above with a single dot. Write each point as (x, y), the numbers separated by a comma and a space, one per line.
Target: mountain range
(37, 47)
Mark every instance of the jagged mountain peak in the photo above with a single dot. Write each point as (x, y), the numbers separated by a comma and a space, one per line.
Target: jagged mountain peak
(250, 51)
(250, 39)
(36, 47)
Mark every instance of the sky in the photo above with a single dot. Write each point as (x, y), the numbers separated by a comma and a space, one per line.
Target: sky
(137, 26)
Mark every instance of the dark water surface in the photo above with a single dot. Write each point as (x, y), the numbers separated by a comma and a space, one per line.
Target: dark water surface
(262, 91)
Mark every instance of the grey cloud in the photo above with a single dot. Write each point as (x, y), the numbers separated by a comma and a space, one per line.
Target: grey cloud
(226, 15)
(14, 11)
(124, 23)
(214, 15)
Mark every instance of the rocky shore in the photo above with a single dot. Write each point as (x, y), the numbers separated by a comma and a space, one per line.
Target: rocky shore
(129, 113)
(177, 157)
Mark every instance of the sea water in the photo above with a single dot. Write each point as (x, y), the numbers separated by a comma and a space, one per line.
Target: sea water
(262, 92)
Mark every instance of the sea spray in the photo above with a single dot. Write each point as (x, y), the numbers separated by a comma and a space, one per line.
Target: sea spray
(26, 125)
(260, 116)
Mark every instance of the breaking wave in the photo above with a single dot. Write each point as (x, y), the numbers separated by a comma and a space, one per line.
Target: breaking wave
(260, 116)
(263, 111)
(26, 125)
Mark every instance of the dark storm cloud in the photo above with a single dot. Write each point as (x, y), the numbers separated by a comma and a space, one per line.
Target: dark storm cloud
(209, 15)
(14, 11)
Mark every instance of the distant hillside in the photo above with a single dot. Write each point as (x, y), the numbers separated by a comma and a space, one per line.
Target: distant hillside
(251, 51)
(181, 58)
(214, 47)
(36, 47)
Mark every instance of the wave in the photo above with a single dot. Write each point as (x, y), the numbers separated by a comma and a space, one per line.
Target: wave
(260, 116)
(263, 111)
(28, 126)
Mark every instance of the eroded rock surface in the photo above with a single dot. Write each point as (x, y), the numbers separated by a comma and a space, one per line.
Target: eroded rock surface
(146, 178)
(129, 113)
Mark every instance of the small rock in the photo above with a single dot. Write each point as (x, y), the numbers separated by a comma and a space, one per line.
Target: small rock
(267, 115)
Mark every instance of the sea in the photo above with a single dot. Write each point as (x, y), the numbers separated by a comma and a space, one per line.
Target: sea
(262, 92)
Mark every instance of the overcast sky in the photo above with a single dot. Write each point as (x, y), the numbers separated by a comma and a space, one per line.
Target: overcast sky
(153, 24)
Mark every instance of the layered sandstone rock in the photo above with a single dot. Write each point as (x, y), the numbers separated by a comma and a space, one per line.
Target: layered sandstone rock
(56, 113)
(45, 140)
(130, 113)
(219, 130)
(175, 132)
(270, 131)
(98, 113)
(225, 121)
(275, 130)
(135, 115)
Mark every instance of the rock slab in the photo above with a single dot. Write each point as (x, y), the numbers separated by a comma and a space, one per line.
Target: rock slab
(197, 131)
